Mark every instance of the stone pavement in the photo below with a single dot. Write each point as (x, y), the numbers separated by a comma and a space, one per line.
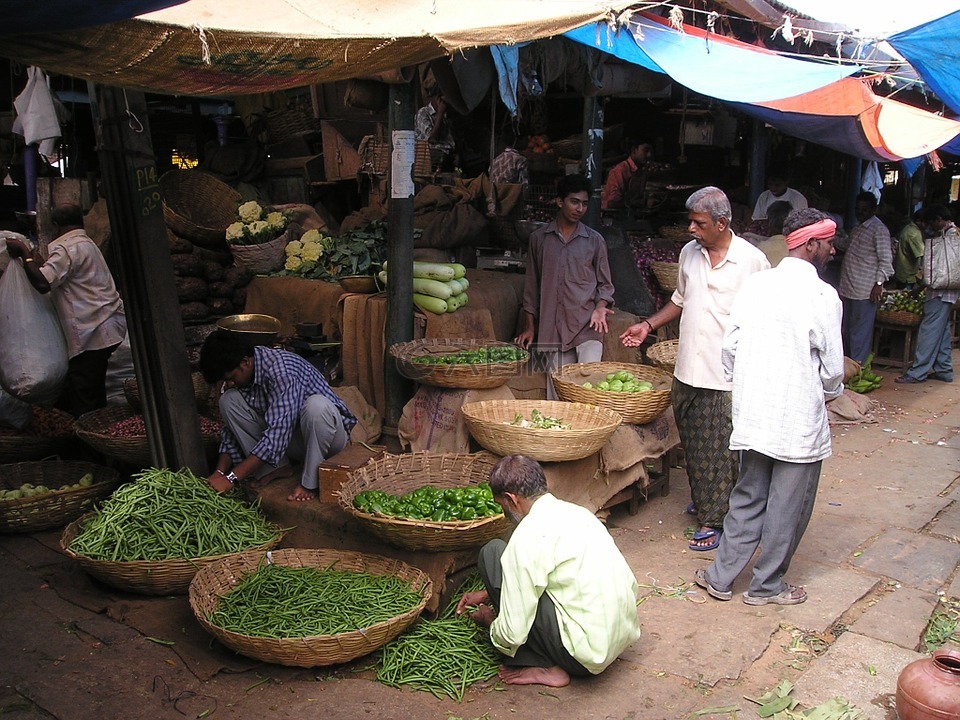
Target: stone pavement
(883, 543)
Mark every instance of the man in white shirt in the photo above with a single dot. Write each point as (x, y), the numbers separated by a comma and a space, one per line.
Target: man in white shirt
(777, 189)
(784, 352)
(559, 598)
(712, 268)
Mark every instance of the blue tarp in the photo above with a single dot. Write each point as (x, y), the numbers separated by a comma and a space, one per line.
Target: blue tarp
(932, 50)
(43, 16)
(709, 64)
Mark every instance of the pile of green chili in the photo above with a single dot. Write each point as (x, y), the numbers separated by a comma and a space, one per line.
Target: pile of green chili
(442, 656)
(278, 601)
(166, 514)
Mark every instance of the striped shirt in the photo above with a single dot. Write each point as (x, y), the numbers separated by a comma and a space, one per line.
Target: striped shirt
(563, 550)
(282, 382)
(783, 351)
(868, 259)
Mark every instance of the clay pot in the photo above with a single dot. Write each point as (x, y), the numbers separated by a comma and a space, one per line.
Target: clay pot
(929, 688)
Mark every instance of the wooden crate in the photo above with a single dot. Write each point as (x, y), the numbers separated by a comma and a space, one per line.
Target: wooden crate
(336, 471)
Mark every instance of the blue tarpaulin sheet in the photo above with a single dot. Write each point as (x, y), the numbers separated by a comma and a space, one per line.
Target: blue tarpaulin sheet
(54, 15)
(932, 50)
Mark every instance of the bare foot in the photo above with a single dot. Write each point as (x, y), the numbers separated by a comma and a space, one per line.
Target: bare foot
(554, 676)
(284, 471)
(302, 494)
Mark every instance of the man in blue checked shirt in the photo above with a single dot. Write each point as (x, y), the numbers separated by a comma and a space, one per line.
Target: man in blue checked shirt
(276, 407)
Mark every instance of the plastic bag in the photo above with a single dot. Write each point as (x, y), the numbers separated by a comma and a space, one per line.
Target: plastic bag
(33, 354)
(941, 262)
(14, 413)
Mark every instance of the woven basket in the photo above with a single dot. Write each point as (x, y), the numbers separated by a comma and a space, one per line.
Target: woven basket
(49, 434)
(635, 408)
(201, 392)
(488, 375)
(53, 509)
(147, 577)
(666, 274)
(91, 428)
(676, 233)
(198, 206)
(375, 157)
(899, 317)
(399, 474)
(290, 122)
(664, 355)
(590, 428)
(217, 579)
(263, 258)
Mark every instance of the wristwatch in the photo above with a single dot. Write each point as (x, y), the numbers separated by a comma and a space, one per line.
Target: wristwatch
(230, 476)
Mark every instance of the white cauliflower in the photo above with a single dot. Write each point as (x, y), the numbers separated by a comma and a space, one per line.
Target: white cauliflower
(293, 248)
(277, 221)
(311, 236)
(260, 230)
(235, 231)
(311, 251)
(250, 211)
(292, 263)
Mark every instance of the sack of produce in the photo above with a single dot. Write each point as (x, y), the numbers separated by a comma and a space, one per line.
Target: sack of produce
(34, 370)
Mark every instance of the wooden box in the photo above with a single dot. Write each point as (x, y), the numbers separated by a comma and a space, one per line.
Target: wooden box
(335, 471)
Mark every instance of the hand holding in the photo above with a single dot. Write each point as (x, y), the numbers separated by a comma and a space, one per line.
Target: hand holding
(634, 335)
(477, 597)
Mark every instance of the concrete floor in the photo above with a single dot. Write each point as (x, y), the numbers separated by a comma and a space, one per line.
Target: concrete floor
(884, 542)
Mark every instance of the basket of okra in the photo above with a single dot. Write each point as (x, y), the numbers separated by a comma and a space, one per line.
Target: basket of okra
(307, 607)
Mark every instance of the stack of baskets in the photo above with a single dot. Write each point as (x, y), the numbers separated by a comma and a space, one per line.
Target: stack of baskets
(399, 474)
(202, 393)
(636, 408)
(198, 206)
(48, 434)
(92, 428)
(468, 376)
(217, 579)
(491, 424)
(56, 508)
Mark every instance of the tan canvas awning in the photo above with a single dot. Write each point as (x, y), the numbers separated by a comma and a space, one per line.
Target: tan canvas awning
(217, 47)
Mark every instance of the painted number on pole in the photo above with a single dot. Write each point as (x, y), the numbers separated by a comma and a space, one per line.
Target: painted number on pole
(148, 188)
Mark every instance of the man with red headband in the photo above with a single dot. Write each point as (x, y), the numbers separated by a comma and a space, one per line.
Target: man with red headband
(784, 352)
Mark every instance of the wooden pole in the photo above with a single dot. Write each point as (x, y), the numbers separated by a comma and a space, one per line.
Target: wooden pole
(146, 276)
(592, 160)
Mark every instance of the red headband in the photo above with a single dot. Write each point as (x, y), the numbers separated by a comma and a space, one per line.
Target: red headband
(820, 230)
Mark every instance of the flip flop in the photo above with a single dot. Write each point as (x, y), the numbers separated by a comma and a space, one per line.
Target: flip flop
(712, 535)
(691, 509)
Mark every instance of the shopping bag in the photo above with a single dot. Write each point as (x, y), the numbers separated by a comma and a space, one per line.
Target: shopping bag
(33, 352)
(941, 262)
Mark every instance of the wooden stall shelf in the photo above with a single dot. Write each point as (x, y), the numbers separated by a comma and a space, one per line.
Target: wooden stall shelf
(902, 343)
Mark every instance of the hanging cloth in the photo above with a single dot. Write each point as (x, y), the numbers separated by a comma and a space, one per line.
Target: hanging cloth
(36, 117)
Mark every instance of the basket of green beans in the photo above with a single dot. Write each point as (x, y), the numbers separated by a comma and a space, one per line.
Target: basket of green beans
(307, 607)
(426, 501)
(153, 534)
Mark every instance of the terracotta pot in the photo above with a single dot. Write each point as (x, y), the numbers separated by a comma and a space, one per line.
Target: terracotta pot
(929, 688)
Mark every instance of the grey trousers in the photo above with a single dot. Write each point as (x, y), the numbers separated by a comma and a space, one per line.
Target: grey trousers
(543, 647)
(770, 506)
(589, 351)
(318, 434)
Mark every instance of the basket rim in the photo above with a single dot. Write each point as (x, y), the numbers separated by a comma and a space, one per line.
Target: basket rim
(635, 408)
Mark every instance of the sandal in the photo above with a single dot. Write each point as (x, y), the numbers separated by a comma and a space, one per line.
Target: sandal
(710, 534)
(792, 595)
(700, 578)
(691, 509)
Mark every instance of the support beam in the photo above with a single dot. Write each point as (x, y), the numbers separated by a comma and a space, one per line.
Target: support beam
(592, 160)
(399, 245)
(146, 276)
(759, 144)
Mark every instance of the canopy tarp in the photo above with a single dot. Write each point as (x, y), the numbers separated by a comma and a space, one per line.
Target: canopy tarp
(216, 47)
(932, 50)
(848, 116)
(708, 63)
(51, 15)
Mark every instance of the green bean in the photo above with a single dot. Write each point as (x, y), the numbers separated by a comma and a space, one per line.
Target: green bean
(442, 656)
(290, 602)
(165, 515)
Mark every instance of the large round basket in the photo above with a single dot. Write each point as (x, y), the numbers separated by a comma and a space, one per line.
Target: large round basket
(664, 355)
(263, 258)
(92, 428)
(201, 392)
(899, 317)
(198, 206)
(147, 577)
(399, 474)
(472, 376)
(490, 423)
(218, 579)
(636, 408)
(56, 508)
(676, 233)
(666, 274)
(48, 434)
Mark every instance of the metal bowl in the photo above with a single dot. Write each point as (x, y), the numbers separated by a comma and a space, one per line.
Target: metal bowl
(358, 283)
(525, 228)
(257, 329)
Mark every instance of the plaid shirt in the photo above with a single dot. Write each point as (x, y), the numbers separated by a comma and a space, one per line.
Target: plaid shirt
(868, 259)
(510, 167)
(282, 382)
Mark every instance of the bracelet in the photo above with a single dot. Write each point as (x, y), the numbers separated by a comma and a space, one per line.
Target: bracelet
(26, 260)
(650, 325)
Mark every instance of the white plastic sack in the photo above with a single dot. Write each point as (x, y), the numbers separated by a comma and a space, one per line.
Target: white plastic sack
(941, 262)
(14, 413)
(33, 353)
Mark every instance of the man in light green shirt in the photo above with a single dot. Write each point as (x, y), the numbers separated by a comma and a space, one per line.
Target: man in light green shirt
(906, 260)
(559, 598)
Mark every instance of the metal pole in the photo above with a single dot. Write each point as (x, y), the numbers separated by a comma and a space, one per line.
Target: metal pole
(759, 143)
(593, 155)
(146, 278)
(399, 244)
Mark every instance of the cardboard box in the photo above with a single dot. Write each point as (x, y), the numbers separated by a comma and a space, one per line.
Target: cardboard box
(335, 471)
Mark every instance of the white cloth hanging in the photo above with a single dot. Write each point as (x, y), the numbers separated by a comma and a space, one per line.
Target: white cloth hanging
(871, 181)
(37, 113)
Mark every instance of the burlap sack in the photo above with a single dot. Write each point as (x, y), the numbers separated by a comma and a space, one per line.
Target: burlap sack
(432, 420)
